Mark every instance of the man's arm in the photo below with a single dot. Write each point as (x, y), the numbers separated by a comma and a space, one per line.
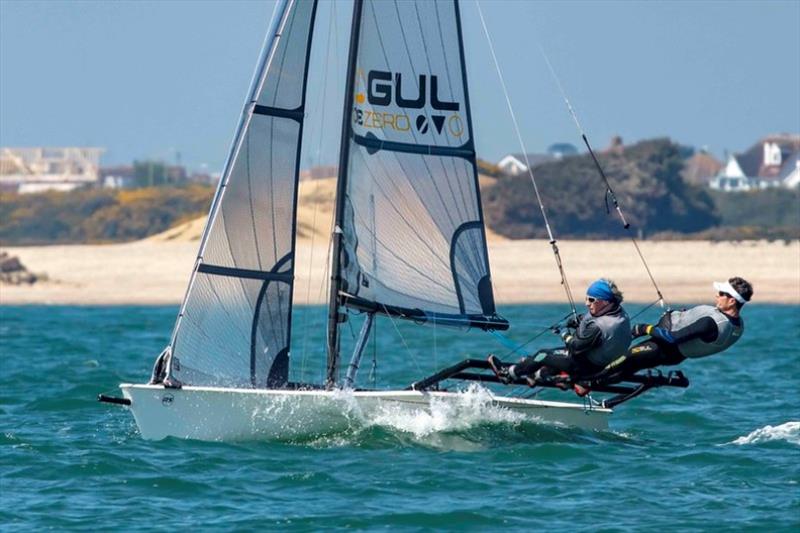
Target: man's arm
(579, 344)
(705, 329)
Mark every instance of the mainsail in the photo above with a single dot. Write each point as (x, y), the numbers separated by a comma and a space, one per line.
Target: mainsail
(412, 237)
(234, 326)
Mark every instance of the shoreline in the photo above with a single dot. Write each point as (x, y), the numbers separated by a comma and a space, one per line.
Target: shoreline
(156, 272)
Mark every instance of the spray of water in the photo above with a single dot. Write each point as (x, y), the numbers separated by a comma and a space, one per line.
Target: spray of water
(789, 432)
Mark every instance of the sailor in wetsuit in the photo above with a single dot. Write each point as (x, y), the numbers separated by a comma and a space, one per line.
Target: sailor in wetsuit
(697, 332)
(601, 336)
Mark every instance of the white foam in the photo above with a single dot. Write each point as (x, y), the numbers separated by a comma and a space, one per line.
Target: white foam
(789, 431)
(469, 408)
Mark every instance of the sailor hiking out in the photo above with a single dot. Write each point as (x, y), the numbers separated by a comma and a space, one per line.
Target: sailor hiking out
(692, 333)
(600, 336)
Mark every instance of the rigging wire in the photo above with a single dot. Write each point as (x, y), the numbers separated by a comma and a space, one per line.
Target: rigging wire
(609, 191)
(402, 338)
(553, 242)
(516, 348)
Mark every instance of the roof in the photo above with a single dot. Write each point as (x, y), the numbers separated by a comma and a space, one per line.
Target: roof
(752, 161)
(700, 168)
(789, 166)
(562, 149)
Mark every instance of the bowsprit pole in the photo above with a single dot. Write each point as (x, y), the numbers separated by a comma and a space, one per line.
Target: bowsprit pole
(609, 191)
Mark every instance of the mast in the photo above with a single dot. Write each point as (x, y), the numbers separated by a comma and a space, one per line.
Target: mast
(341, 188)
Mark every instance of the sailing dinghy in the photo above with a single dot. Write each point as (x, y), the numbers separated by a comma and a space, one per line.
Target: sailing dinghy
(409, 241)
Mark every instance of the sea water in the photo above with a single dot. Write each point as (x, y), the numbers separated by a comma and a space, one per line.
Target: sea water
(723, 453)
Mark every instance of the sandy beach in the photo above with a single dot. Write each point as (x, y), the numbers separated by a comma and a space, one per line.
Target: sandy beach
(156, 271)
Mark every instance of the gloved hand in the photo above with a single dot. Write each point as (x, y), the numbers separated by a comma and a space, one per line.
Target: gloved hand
(573, 321)
(640, 330)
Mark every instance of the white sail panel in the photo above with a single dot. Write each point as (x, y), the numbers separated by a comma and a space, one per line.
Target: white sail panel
(235, 327)
(409, 86)
(407, 213)
(413, 230)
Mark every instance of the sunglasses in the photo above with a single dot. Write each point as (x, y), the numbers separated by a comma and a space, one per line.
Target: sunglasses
(591, 300)
(725, 294)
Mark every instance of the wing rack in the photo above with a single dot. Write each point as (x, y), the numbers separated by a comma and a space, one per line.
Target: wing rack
(625, 388)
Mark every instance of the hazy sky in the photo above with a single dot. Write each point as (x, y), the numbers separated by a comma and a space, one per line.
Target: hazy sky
(149, 79)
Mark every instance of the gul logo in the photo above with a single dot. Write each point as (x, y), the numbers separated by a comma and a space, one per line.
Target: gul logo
(380, 91)
(384, 88)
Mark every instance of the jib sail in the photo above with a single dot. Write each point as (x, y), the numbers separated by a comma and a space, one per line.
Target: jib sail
(234, 327)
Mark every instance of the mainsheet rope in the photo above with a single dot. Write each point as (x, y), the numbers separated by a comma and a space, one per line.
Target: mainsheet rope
(553, 242)
(609, 191)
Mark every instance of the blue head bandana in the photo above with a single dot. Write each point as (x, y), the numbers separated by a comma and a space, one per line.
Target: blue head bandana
(601, 290)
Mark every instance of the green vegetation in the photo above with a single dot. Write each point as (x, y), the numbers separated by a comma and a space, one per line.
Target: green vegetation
(645, 176)
(768, 208)
(766, 214)
(98, 215)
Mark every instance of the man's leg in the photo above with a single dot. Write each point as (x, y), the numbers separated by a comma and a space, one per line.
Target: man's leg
(648, 354)
(556, 358)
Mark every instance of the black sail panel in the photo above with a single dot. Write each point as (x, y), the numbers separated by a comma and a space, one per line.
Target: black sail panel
(235, 327)
(414, 242)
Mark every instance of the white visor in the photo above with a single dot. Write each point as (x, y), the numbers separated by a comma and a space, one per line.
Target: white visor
(724, 286)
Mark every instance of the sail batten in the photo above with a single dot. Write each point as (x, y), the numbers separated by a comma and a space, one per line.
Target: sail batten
(409, 155)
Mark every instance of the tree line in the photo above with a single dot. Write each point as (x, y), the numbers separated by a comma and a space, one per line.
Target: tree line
(646, 178)
(98, 215)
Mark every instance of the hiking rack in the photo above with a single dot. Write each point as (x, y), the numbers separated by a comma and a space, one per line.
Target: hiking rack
(624, 387)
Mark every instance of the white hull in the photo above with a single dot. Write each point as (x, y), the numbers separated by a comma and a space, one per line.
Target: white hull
(210, 413)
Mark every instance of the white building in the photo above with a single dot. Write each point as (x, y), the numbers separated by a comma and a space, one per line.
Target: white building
(31, 170)
(511, 165)
(771, 162)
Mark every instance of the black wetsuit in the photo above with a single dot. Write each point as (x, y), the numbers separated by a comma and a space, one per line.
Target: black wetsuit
(662, 347)
(570, 359)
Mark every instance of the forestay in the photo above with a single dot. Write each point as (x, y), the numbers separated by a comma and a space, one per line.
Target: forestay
(414, 242)
(235, 324)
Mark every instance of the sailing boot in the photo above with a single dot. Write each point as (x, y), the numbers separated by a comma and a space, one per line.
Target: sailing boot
(501, 370)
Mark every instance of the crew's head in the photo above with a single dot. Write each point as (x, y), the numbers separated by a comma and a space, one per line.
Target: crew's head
(733, 294)
(602, 295)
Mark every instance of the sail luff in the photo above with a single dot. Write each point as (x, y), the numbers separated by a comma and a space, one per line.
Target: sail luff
(341, 188)
(297, 166)
(468, 113)
(234, 328)
(259, 74)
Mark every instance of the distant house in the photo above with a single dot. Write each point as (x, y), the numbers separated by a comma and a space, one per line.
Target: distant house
(512, 165)
(700, 168)
(771, 162)
(31, 170)
(516, 164)
(118, 177)
(560, 150)
(790, 172)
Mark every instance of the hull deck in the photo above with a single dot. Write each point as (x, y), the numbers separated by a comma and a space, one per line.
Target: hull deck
(219, 414)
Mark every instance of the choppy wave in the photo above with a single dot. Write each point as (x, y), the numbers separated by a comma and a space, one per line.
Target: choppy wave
(789, 432)
(405, 466)
(471, 408)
